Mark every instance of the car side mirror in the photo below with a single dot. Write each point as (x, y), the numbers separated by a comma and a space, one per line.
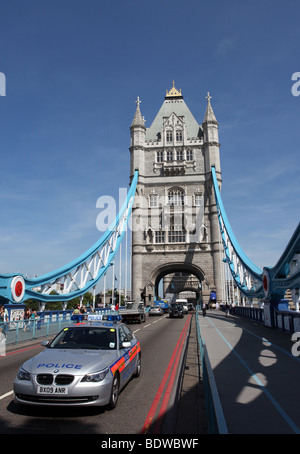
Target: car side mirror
(126, 344)
(45, 343)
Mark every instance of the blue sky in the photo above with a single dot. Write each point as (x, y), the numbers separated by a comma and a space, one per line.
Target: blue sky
(73, 71)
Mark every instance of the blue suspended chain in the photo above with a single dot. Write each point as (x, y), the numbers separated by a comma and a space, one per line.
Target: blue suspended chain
(78, 276)
(248, 277)
(270, 283)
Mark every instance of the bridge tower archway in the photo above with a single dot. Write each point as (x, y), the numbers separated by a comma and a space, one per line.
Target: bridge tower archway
(171, 279)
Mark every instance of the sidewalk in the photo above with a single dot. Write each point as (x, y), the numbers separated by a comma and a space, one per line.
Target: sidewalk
(257, 376)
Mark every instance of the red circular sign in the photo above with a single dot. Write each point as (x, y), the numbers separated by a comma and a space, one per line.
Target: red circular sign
(265, 283)
(18, 288)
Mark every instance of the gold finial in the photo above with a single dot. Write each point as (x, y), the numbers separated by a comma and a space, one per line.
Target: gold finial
(173, 92)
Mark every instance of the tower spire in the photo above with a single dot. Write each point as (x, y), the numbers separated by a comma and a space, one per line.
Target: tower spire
(138, 120)
(209, 114)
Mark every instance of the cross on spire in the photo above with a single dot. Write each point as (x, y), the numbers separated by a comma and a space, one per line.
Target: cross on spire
(138, 102)
(208, 97)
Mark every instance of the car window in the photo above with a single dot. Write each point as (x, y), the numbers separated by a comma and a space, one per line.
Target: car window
(122, 335)
(125, 334)
(128, 332)
(91, 338)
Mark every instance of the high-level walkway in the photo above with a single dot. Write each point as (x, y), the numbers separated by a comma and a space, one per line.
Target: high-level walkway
(257, 376)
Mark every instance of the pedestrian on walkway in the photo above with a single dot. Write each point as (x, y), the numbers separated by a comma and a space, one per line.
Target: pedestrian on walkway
(27, 315)
(33, 317)
(204, 309)
(3, 320)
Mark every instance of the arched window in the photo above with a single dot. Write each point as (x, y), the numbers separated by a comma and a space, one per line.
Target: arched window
(178, 135)
(179, 155)
(169, 155)
(169, 136)
(153, 200)
(189, 155)
(198, 199)
(159, 156)
(176, 197)
(176, 232)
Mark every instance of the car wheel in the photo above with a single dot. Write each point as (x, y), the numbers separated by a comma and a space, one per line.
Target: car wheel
(114, 393)
(138, 367)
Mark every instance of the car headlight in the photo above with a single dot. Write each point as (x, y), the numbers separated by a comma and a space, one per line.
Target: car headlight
(23, 374)
(96, 376)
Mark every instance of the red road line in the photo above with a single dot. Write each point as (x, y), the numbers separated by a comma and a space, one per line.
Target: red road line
(21, 350)
(156, 401)
(166, 399)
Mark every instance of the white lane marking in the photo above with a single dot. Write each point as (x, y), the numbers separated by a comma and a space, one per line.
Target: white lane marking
(6, 395)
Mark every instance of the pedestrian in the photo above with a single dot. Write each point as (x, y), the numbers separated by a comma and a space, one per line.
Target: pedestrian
(227, 309)
(3, 319)
(204, 309)
(27, 315)
(33, 317)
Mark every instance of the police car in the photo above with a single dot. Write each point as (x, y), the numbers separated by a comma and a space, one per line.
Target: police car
(87, 363)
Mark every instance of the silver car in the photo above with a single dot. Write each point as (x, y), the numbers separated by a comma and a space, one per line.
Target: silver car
(155, 310)
(87, 363)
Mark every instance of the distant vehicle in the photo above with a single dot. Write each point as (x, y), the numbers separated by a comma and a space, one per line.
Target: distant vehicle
(87, 363)
(212, 300)
(155, 310)
(133, 312)
(163, 304)
(184, 303)
(176, 310)
(213, 297)
(190, 306)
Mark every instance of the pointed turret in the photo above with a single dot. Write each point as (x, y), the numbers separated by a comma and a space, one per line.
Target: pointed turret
(138, 134)
(210, 124)
(138, 120)
(209, 114)
(211, 138)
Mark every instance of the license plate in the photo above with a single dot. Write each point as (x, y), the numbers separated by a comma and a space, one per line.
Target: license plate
(55, 390)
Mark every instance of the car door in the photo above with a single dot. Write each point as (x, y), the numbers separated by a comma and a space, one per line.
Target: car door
(126, 335)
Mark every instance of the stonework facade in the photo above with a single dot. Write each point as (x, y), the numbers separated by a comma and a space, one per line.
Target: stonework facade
(174, 219)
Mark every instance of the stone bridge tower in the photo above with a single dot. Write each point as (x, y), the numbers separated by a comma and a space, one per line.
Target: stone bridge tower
(174, 219)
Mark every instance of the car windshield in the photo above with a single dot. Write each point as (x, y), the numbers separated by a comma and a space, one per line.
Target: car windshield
(86, 338)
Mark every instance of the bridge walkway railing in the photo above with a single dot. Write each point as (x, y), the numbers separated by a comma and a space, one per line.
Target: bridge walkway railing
(216, 421)
(284, 320)
(46, 324)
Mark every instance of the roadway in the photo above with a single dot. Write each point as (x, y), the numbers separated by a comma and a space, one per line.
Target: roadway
(145, 405)
(256, 374)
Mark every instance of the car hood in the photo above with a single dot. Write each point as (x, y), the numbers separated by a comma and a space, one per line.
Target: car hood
(75, 362)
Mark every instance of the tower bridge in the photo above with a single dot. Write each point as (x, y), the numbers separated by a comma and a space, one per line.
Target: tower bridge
(179, 223)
